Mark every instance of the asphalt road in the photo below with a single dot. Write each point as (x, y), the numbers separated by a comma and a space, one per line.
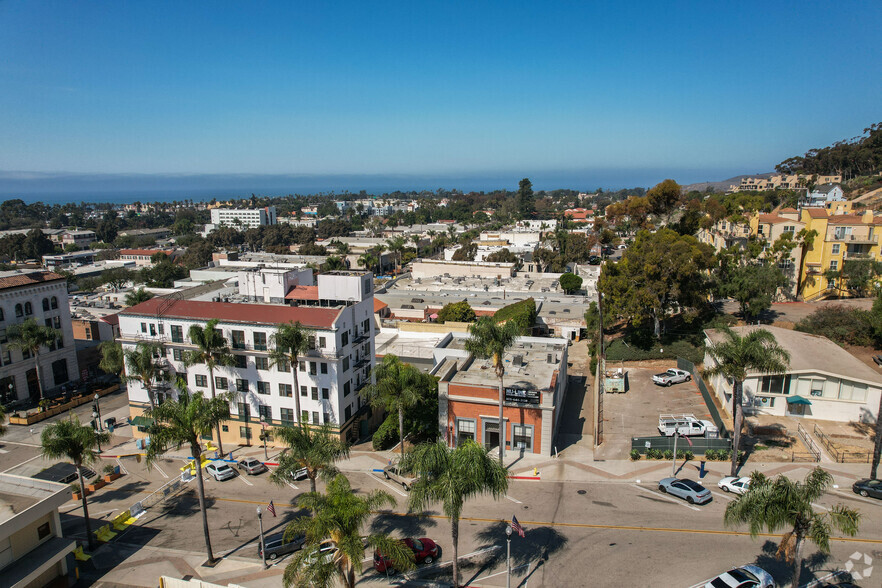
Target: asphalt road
(577, 534)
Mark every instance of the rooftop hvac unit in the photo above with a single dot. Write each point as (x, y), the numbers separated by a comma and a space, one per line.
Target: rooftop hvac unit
(517, 360)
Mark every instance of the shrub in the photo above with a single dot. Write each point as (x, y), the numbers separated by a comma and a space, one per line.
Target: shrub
(458, 312)
(635, 455)
(387, 434)
(668, 454)
(522, 313)
(710, 455)
(593, 366)
(570, 282)
(108, 469)
(840, 324)
(724, 454)
(653, 454)
(619, 350)
(689, 456)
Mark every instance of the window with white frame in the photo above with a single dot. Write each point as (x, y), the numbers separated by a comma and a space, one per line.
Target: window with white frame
(465, 430)
(835, 249)
(522, 435)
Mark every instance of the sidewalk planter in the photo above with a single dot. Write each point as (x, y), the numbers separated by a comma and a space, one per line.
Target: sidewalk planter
(78, 496)
(95, 485)
(41, 413)
(111, 474)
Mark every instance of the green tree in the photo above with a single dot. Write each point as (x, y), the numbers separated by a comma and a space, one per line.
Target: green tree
(313, 448)
(334, 263)
(68, 439)
(526, 199)
(734, 357)
(466, 253)
(367, 261)
(143, 366)
(458, 312)
(36, 245)
(289, 342)
(664, 196)
(753, 286)
(395, 389)
(570, 283)
(211, 350)
(339, 515)
(112, 357)
(452, 476)
(490, 340)
(138, 296)
(780, 503)
(30, 337)
(117, 277)
(184, 422)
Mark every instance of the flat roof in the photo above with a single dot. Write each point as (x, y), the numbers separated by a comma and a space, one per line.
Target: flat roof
(811, 353)
(232, 312)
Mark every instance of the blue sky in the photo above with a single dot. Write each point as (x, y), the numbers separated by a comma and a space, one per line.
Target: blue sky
(431, 87)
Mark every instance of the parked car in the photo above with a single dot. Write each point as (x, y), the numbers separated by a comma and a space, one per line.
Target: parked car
(424, 551)
(325, 552)
(405, 479)
(734, 484)
(299, 474)
(220, 471)
(276, 546)
(252, 466)
(749, 576)
(686, 424)
(868, 487)
(691, 492)
(671, 376)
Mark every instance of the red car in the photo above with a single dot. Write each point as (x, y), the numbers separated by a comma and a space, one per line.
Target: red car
(424, 551)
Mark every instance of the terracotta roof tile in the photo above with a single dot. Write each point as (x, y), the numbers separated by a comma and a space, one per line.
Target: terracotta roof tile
(816, 212)
(846, 219)
(379, 305)
(148, 252)
(28, 279)
(231, 312)
(774, 219)
(788, 210)
(303, 293)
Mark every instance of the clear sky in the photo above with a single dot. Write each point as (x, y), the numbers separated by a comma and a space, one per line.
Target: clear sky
(431, 87)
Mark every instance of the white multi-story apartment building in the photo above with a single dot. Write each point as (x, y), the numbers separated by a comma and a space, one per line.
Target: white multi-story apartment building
(248, 218)
(339, 314)
(40, 295)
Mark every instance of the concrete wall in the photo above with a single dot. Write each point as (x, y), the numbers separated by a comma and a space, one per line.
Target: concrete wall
(431, 268)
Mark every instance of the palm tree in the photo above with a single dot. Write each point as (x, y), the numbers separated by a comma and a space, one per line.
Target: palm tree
(339, 516)
(314, 449)
(395, 389)
(367, 261)
(396, 245)
(112, 358)
(212, 350)
(781, 503)
(415, 239)
(144, 368)
(334, 263)
(69, 439)
(806, 240)
(452, 476)
(289, 342)
(735, 355)
(342, 248)
(30, 337)
(490, 340)
(138, 296)
(183, 422)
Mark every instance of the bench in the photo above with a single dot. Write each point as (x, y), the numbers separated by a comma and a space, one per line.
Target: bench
(878, 359)
(80, 554)
(104, 534)
(123, 520)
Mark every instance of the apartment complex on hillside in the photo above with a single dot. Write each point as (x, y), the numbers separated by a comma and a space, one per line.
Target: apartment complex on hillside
(329, 376)
(782, 182)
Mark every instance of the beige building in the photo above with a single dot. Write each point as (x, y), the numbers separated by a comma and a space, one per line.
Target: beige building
(430, 268)
(782, 182)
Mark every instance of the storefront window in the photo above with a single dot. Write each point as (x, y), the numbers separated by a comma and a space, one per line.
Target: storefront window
(465, 431)
(523, 437)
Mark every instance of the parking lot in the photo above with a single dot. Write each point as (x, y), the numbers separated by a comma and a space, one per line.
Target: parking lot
(635, 413)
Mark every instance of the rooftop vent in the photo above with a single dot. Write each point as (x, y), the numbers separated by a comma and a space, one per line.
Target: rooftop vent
(517, 360)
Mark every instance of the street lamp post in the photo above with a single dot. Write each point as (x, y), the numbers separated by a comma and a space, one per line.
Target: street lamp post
(508, 556)
(96, 416)
(98, 410)
(674, 466)
(262, 543)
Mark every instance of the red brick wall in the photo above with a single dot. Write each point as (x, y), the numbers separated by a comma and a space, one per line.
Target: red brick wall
(517, 416)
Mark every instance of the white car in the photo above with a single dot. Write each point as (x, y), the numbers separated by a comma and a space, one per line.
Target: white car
(734, 484)
(672, 376)
(749, 576)
(326, 551)
(220, 471)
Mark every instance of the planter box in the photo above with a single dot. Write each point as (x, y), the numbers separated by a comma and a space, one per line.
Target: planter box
(96, 485)
(108, 478)
(76, 495)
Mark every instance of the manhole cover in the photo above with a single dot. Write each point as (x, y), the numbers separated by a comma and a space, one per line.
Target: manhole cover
(581, 492)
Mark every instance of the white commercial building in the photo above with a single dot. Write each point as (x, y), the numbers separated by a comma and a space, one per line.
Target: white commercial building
(244, 218)
(42, 296)
(329, 375)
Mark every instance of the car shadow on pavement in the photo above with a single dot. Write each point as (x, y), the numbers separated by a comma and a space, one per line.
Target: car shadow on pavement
(181, 505)
(272, 526)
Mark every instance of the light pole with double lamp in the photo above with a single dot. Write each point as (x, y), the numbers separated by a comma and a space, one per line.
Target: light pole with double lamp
(98, 410)
(508, 556)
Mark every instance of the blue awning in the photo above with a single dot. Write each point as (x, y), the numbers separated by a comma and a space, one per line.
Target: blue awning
(798, 400)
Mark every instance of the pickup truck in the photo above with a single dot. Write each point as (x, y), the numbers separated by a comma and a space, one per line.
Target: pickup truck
(672, 376)
(393, 473)
(686, 425)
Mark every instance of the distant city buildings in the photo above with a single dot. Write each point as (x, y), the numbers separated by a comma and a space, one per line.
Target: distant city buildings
(242, 218)
(782, 182)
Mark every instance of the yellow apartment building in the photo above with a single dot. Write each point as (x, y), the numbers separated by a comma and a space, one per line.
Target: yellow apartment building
(770, 227)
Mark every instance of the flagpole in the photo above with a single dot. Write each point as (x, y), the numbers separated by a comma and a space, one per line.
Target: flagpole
(508, 556)
(262, 543)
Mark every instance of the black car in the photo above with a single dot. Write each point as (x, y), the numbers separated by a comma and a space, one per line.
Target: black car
(868, 487)
(277, 546)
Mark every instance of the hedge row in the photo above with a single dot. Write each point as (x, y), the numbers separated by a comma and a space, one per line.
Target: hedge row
(522, 313)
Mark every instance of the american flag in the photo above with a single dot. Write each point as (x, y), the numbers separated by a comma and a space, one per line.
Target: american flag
(271, 508)
(516, 526)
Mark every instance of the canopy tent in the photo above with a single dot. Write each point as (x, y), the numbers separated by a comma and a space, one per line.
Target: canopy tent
(798, 400)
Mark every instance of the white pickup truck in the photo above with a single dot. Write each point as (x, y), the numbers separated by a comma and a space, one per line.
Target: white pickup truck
(685, 424)
(672, 376)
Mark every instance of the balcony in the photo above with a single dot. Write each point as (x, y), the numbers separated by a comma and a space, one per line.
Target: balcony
(858, 255)
(864, 239)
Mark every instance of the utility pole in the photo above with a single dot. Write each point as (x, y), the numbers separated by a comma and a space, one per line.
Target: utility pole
(262, 542)
(508, 556)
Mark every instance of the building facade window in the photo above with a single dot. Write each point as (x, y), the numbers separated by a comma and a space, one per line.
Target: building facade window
(201, 381)
(835, 250)
(265, 411)
(263, 387)
(54, 303)
(245, 433)
(314, 392)
(260, 341)
(261, 363)
(177, 334)
(325, 394)
(287, 416)
(285, 390)
(244, 411)
(241, 385)
(178, 354)
(347, 388)
(322, 343)
(240, 361)
(45, 305)
(313, 368)
(29, 309)
(324, 367)
(326, 416)
(238, 339)
(221, 383)
(59, 372)
(465, 430)
(283, 365)
(344, 338)
(346, 363)
(775, 384)
(315, 417)
(522, 437)
(347, 413)
(303, 391)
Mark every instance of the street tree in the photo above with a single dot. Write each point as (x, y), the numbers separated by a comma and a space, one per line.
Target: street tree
(395, 389)
(288, 343)
(451, 476)
(112, 357)
(138, 296)
(570, 283)
(212, 351)
(143, 366)
(30, 337)
(783, 504)
(753, 285)
(183, 422)
(68, 439)
(312, 448)
(734, 357)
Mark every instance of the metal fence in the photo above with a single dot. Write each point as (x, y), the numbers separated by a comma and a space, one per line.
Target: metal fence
(168, 489)
(699, 445)
(685, 364)
(841, 456)
(809, 443)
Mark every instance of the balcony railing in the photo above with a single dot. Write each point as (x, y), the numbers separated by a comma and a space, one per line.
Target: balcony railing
(858, 255)
(865, 239)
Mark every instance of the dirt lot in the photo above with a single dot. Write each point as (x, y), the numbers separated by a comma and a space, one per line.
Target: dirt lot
(635, 413)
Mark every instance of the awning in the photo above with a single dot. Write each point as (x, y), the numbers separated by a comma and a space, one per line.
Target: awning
(141, 421)
(798, 400)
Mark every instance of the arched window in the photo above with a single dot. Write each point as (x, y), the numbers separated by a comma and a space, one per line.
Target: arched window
(18, 311)
(45, 305)
(54, 303)
(29, 310)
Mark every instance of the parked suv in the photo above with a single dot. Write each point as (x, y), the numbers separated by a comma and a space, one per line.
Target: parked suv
(276, 546)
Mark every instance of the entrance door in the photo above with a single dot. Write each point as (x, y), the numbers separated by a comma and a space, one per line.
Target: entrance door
(33, 385)
(491, 435)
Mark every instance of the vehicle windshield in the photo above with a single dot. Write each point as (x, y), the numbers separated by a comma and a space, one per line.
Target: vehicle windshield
(417, 544)
(671, 372)
(222, 467)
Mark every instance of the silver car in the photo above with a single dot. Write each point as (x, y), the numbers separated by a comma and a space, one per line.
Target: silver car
(749, 576)
(220, 471)
(691, 492)
(251, 466)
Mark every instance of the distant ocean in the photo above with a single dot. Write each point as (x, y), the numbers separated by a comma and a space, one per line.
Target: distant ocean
(126, 188)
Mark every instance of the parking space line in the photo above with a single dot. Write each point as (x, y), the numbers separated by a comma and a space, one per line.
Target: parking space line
(857, 497)
(122, 468)
(526, 565)
(160, 470)
(22, 463)
(292, 485)
(244, 480)
(821, 506)
(513, 500)
(666, 497)
(388, 485)
(721, 495)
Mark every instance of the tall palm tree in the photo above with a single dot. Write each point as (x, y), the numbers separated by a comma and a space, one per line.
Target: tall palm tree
(781, 503)
(415, 239)
(452, 476)
(334, 263)
(490, 340)
(142, 366)
(367, 261)
(69, 439)
(30, 337)
(112, 357)
(183, 422)
(395, 389)
(289, 342)
(339, 515)
(806, 240)
(396, 245)
(314, 449)
(138, 296)
(735, 355)
(211, 350)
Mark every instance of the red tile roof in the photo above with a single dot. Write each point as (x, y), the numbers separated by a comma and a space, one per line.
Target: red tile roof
(817, 212)
(788, 210)
(231, 312)
(379, 305)
(774, 219)
(28, 279)
(846, 219)
(303, 293)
